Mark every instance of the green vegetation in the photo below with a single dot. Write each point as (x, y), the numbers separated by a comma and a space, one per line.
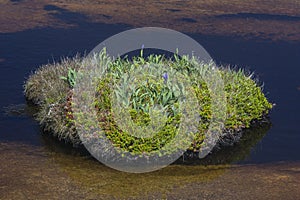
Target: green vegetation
(71, 78)
(53, 94)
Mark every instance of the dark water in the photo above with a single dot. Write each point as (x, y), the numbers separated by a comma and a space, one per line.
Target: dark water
(276, 64)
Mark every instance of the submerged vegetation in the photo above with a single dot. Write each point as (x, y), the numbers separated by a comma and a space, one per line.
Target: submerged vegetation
(51, 87)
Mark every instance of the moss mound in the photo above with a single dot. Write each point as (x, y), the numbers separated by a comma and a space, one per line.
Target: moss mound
(51, 88)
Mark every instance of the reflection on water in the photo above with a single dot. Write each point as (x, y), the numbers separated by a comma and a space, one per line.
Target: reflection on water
(83, 169)
(236, 153)
(219, 156)
(20, 110)
(57, 159)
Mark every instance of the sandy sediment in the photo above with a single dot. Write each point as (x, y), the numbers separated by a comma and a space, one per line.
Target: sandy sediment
(274, 20)
(29, 172)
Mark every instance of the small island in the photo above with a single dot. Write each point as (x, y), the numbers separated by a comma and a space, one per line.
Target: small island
(51, 88)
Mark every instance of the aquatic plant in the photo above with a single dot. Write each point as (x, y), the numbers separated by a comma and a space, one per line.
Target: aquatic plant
(246, 103)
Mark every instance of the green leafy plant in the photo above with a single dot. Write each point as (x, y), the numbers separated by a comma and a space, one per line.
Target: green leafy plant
(71, 78)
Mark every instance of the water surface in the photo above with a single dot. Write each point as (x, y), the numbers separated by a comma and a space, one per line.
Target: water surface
(265, 164)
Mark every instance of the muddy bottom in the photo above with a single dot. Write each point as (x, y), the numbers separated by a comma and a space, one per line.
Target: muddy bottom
(245, 18)
(29, 172)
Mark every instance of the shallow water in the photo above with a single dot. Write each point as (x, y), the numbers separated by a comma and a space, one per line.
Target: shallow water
(36, 166)
(29, 172)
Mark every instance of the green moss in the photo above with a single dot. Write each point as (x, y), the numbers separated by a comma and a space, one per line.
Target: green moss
(245, 102)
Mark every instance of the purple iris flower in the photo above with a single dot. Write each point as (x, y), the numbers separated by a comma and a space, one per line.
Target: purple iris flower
(165, 76)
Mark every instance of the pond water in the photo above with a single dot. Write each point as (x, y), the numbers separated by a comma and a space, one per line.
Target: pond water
(28, 156)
